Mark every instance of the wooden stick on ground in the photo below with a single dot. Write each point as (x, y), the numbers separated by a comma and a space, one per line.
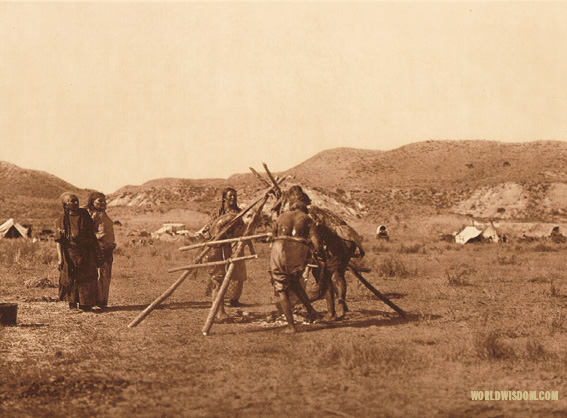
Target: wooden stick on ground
(196, 260)
(377, 293)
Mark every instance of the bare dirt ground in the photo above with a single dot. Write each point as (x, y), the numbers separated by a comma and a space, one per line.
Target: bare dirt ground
(483, 317)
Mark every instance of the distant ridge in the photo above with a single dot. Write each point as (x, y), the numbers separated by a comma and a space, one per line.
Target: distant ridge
(483, 179)
(31, 196)
(33, 183)
(445, 163)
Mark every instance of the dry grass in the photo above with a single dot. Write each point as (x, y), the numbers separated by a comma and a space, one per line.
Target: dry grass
(504, 331)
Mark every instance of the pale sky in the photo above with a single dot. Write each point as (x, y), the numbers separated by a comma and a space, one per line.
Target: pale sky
(108, 94)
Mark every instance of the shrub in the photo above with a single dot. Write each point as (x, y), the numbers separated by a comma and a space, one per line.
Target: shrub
(543, 248)
(535, 350)
(539, 277)
(505, 261)
(413, 249)
(458, 276)
(554, 291)
(558, 323)
(366, 357)
(380, 248)
(392, 266)
(26, 253)
(489, 346)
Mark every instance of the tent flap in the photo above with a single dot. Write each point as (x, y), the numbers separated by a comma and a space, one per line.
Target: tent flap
(12, 229)
(467, 234)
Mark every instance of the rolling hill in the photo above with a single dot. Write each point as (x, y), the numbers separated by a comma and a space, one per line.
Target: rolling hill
(485, 179)
(31, 196)
(482, 179)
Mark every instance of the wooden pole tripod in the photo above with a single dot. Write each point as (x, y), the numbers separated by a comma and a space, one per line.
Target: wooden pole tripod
(226, 280)
(197, 260)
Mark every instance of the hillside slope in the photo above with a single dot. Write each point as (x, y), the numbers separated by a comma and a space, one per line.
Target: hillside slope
(443, 164)
(482, 179)
(31, 196)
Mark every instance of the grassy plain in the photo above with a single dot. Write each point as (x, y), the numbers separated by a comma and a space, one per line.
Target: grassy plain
(483, 317)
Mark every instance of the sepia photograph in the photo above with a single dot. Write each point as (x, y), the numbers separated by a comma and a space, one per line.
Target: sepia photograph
(283, 209)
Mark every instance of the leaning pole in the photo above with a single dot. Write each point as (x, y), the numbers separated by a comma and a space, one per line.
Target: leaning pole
(376, 292)
(196, 260)
(226, 280)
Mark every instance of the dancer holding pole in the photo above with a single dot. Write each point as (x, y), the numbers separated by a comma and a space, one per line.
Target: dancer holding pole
(197, 259)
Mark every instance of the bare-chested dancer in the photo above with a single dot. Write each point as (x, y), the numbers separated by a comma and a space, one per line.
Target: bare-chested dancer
(294, 237)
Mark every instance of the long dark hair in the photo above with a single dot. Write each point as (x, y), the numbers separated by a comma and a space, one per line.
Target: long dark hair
(92, 197)
(223, 209)
(296, 193)
(66, 222)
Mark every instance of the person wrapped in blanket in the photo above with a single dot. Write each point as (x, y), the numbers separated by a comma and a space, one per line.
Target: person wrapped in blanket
(294, 237)
(78, 255)
(224, 252)
(229, 206)
(104, 231)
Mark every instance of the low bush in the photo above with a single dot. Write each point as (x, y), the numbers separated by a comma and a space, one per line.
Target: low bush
(544, 248)
(558, 322)
(489, 346)
(458, 276)
(413, 249)
(535, 350)
(553, 290)
(380, 248)
(366, 358)
(507, 261)
(392, 266)
(26, 253)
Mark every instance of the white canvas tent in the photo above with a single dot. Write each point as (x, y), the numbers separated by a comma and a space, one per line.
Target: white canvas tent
(470, 233)
(169, 231)
(490, 234)
(12, 229)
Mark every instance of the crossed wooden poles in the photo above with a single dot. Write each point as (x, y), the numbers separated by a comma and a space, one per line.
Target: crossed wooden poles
(216, 240)
(351, 266)
(274, 188)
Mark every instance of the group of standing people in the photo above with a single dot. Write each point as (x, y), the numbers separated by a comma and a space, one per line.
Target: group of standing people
(85, 244)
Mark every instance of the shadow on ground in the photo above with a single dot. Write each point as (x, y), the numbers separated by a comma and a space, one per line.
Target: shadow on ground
(355, 319)
(372, 318)
(173, 305)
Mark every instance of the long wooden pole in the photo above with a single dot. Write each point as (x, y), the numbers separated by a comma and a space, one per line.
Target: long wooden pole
(377, 292)
(213, 263)
(220, 297)
(226, 280)
(197, 259)
(274, 181)
(224, 241)
(259, 176)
